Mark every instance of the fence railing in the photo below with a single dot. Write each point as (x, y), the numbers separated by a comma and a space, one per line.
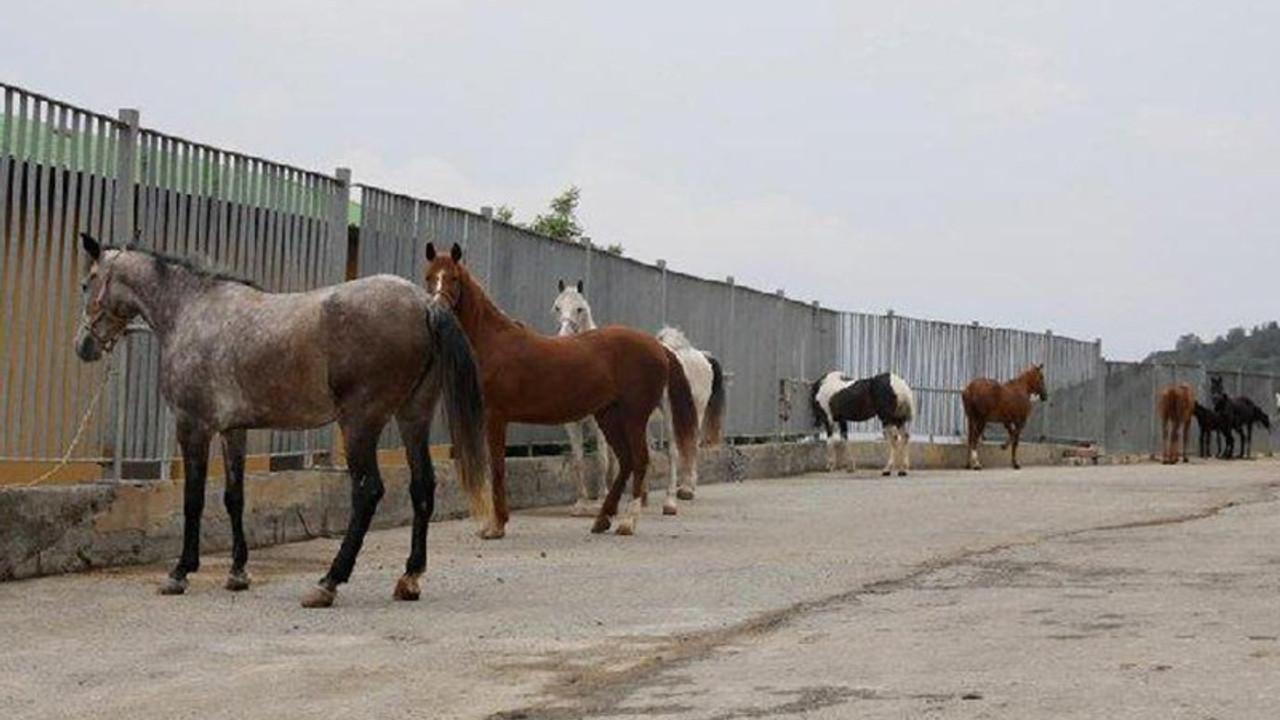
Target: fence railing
(64, 170)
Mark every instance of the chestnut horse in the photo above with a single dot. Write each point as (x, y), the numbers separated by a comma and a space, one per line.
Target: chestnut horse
(986, 400)
(616, 374)
(1175, 406)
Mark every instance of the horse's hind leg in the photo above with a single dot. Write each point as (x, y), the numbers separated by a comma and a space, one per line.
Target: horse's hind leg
(890, 438)
(975, 436)
(610, 422)
(1186, 433)
(234, 444)
(639, 445)
(1015, 432)
(193, 438)
(416, 436)
(366, 490)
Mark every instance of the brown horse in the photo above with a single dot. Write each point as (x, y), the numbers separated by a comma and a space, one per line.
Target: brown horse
(986, 400)
(616, 374)
(1175, 406)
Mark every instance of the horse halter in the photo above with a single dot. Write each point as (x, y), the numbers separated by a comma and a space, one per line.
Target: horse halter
(118, 322)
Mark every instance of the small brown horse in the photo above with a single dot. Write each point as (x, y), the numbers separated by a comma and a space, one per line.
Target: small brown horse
(616, 374)
(1175, 406)
(986, 400)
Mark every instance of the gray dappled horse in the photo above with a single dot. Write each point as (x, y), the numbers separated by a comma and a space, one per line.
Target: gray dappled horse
(234, 357)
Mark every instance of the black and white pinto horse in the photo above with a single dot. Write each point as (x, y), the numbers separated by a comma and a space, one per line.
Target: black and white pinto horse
(838, 400)
(1238, 416)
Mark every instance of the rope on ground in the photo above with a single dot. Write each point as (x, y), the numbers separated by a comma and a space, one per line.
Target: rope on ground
(84, 423)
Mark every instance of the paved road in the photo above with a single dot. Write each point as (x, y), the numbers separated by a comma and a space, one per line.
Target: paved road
(1104, 592)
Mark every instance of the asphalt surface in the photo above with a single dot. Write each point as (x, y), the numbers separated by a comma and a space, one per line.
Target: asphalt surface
(1132, 591)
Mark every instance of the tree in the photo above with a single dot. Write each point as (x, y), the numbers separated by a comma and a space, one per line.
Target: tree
(562, 222)
(506, 214)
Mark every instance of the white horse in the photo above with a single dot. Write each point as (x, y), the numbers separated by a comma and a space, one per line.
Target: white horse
(705, 378)
(574, 315)
(838, 400)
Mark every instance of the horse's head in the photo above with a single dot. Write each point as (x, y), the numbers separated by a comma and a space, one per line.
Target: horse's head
(109, 305)
(1035, 382)
(572, 310)
(1215, 386)
(445, 276)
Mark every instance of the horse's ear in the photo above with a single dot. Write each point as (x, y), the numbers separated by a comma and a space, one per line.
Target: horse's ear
(456, 252)
(561, 284)
(91, 246)
(431, 252)
(579, 287)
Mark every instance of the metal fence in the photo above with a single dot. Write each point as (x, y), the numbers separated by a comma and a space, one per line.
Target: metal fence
(937, 359)
(64, 170)
(1132, 425)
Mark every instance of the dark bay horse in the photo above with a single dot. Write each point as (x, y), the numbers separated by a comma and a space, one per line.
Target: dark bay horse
(986, 400)
(1238, 416)
(1210, 424)
(233, 357)
(614, 373)
(838, 400)
(1175, 406)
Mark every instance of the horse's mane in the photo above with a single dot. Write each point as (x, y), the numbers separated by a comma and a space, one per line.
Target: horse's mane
(674, 339)
(191, 265)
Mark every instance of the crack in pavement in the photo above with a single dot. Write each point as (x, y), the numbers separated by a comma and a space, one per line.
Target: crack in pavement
(598, 686)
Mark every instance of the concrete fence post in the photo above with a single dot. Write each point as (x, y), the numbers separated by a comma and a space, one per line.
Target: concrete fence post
(122, 231)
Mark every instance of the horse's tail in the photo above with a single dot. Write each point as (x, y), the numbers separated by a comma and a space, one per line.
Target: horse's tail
(713, 420)
(905, 397)
(684, 416)
(1260, 415)
(464, 407)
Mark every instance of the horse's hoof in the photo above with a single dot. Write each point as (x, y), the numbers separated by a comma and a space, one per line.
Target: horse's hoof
(884, 473)
(493, 532)
(669, 508)
(902, 473)
(173, 586)
(319, 597)
(237, 581)
(1017, 466)
(407, 588)
(600, 525)
(684, 493)
(626, 527)
(581, 509)
(975, 468)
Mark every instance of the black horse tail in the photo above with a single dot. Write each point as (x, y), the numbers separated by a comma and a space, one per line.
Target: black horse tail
(464, 407)
(713, 420)
(684, 416)
(1260, 415)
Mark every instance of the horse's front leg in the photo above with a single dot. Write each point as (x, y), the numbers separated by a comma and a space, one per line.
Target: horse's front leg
(583, 506)
(193, 437)
(234, 443)
(496, 431)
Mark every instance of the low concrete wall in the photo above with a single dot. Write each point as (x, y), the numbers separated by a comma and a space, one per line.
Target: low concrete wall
(67, 528)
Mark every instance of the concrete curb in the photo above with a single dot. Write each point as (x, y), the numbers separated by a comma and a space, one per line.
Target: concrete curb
(60, 529)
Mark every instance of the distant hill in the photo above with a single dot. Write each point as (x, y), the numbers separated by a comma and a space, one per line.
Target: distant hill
(1256, 350)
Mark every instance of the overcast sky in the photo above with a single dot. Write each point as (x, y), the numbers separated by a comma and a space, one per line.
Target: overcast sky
(1100, 168)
